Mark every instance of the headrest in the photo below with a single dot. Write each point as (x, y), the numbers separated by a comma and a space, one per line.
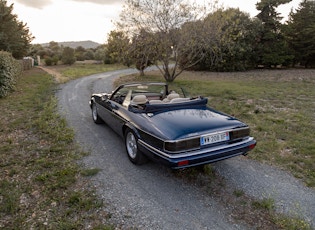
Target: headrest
(139, 99)
(172, 96)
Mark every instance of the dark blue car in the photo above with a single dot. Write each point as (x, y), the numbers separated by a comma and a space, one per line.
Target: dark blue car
(163, 125)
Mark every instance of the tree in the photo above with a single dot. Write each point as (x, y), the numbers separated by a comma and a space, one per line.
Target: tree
(163, 18)
(54, 53)
(300, 33)
(141, 50)
(68, 56)
(238, 41)
(273, 50)
(100, 53)
(206, 35)
(117, 47)
(228, 39)
(35, 50)
(89, 54)
(79, 53)
(54, 47)
(14, 35)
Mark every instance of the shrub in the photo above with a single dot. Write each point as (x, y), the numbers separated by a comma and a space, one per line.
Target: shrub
(68, 57)
(10, 69)
(55, 60)
(49, 61)
(107, 61)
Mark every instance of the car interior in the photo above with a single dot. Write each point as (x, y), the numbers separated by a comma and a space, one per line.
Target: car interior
(138, 98)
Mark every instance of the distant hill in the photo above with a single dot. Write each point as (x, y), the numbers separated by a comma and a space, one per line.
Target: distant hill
(84, 44)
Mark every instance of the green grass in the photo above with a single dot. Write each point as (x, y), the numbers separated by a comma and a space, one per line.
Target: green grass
(89, 172)
(267, 204)
(41, 186)
(79, 70)
(277, 105)
(40, 183)
(238, 193)
(291, 223)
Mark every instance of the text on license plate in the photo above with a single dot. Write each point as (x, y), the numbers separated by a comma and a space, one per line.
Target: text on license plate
(214, 138)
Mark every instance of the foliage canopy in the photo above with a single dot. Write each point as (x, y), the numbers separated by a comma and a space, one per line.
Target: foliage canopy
(9, 71)
(68, 56)
(163, 19)
(273, 50)
(177, 35)
(300, 33)
(15, 36)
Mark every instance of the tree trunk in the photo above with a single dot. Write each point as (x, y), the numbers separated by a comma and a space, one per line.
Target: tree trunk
(141, 72)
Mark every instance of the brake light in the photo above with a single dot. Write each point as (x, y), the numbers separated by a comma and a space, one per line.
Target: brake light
(182, 163)
(252, 146)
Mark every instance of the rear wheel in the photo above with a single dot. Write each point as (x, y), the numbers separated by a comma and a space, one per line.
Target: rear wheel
(134, 154)
(95, 116)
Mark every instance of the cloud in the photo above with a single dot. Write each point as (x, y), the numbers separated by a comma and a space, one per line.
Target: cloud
(35, 3)
(42, 3)
(102, 2)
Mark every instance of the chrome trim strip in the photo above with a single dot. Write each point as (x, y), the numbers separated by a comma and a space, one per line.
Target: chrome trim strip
(193, 153)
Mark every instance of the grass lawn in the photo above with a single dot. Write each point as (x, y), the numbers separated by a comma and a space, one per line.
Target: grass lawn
(278, 105)
(80, 69)
(41, 185)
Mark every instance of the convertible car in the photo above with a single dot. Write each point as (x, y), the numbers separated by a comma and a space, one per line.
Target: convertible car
(166, 126)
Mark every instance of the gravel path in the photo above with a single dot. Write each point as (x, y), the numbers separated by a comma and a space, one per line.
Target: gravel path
(264, 181)
(150, 197)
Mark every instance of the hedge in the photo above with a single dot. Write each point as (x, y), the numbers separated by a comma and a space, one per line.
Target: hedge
(10, 70)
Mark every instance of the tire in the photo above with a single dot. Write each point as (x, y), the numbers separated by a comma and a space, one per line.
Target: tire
(133, 152)
(95, 116)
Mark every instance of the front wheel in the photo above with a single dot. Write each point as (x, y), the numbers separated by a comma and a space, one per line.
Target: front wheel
(95, 116)
(134, 154)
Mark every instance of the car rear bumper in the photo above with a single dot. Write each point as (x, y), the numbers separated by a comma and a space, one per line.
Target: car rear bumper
(197, 157)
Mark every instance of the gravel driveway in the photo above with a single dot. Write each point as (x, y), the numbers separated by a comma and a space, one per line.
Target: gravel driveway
(150, 196)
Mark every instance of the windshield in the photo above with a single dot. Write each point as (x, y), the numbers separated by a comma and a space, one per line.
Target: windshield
(153, 91)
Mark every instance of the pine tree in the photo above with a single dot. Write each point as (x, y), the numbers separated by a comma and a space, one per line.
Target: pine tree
(273, 50)
(301, 33)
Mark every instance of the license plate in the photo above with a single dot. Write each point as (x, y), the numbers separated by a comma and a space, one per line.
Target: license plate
(214, 138)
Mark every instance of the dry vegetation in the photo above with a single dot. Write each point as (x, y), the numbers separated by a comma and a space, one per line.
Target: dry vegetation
(43, 188)
(279, 106)
(41, 185)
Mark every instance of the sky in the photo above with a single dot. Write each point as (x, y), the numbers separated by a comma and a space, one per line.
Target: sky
(80, 20)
